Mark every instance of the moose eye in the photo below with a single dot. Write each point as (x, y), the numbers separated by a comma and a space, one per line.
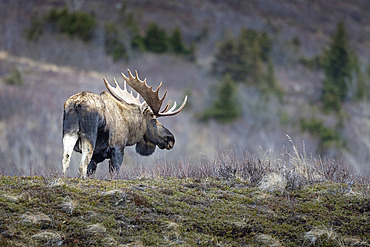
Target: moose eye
(154, 121)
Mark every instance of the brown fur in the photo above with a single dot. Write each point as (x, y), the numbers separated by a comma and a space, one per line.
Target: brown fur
(100, 127)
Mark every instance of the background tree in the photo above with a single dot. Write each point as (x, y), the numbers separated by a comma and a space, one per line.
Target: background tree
(266, 46)
(113, 42)
(78, 24)
(255, 65)
(338, 70)
(225, 108)
(227, 60)
(156, 39)
(176, 42)
(270, 84)
(244, 57)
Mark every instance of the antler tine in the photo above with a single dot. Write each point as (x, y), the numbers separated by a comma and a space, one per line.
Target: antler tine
(171, 112)
(115, 82)
(150, 96)
(173, 107)
(167, 106)
(157, 91)
(122, 95)
(111, 89)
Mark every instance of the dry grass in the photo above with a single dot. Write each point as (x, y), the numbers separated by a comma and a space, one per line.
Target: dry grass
(267, 240)
(273, 182)
(69, 205)
(96, 229)
(37, 218)
(322, 236)
(48, 238)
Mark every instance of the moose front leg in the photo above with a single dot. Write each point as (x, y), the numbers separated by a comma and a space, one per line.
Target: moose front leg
(91, 168)
(115, 161)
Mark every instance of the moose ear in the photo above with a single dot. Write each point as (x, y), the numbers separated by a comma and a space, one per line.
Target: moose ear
(144, 107)
(145, 148)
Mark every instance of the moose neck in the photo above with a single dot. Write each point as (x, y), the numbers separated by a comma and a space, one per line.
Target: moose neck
(128, 120)
(136, 124)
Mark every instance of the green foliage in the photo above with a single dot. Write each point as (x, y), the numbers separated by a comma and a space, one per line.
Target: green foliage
(176, 42)
(75, 24)
(247, 59)
(36, 29)
(255, 64)
(284, 118)
(265, 43)
(314, 63)
(156, 39)
(14, 78)
(340, 64)
(225, 108)
(328, 136)
(363, 84)
(241, 57)
(227, 61)
(113, 43)
(122, 37)
(343, 77)
(269, 84)
(362, 87)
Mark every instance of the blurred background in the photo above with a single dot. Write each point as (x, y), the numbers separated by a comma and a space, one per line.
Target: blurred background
(257, 73)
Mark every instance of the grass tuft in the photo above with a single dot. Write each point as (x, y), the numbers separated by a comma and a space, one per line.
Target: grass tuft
(273, 182)
(48, 238)
(96, 229)
(323, 236)
(69, 205)
(267, 240)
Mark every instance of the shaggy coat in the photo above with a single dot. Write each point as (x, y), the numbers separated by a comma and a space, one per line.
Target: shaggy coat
(100, 127)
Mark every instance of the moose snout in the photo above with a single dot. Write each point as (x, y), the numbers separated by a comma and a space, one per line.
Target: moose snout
(170, 140)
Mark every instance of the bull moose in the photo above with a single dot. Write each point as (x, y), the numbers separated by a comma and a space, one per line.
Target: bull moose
(101, 126)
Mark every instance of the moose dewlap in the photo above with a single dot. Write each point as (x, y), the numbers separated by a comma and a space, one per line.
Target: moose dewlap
(100, 126)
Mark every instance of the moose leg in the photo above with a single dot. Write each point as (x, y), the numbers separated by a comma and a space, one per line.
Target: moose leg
(88, 127)
(69, 141)
(87, 153)
(91, 168)
(115, 162)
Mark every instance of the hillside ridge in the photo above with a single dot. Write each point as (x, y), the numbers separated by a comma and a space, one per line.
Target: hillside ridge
(183, 212)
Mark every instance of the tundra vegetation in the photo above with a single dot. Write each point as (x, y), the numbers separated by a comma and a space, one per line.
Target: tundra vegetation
(233, 200)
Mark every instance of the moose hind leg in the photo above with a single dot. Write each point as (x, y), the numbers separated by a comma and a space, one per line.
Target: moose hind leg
(69, 141)
(87, 153)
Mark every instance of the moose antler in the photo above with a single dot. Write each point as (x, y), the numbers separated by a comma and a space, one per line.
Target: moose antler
(122, 95)
(152, 97)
